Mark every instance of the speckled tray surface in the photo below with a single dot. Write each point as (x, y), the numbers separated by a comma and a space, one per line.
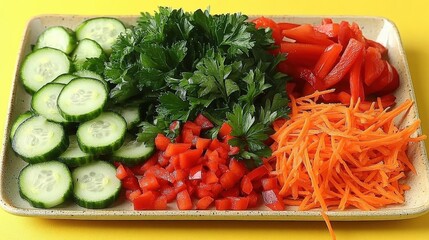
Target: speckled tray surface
(379, 29)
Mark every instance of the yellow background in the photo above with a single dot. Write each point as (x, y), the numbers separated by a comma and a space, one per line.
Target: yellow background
(411, 19)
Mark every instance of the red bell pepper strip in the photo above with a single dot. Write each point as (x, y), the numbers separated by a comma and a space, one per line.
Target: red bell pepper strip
(353, 51)
(307, 34)
(327, 60)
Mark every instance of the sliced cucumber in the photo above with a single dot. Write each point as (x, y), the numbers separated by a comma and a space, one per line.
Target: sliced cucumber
(44, 102)
(131, 114)
(103, 30)
(82, 99)
(57, 37)
(133, 152)
(45, 185)
(103, 134)
(95, 185)
(86, 48)
(20, 119)
(74, 156)
(91, 74)
(88, 74)
(38, 140)
(64, 78)
(43, 66)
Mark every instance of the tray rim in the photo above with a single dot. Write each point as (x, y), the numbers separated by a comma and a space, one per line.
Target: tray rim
(294, 215)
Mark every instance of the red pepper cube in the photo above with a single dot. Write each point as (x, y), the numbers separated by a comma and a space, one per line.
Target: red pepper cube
(270, 183)
(237, 167)
(229, 179)
(232, 192)
(121, 172)
(130, 183)
(131, 195)
(176, 148)
(196, 172)
(149, 183)
(239, 203)
(145, 201)
(187, 136)
(204, 202)
(202, 143)
(253, 199)
(210, 177)
(160, 203)
(184, 201)
(161, 142)
(141, 169)
(225, 129)
(246, 185)
(203, 122)
(273, 200)
(189, 158)
(223, 204)
(169, 192)
(195, 128)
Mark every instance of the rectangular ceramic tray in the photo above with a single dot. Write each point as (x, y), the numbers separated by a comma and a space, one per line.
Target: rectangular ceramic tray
(379, 29)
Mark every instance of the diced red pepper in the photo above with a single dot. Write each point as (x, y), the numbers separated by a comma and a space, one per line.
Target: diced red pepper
(228, 179)
(203, 122)
(246, 185)
(121, 173)
(223, 204)
(184, 201)
(149, 183)
(239, 203)
(204, 202)
(145, 201)
(169, 192)
(225, 129)
(210, 177)
(130, 183)
(202, 143)
(253, 199)
(195, 128)
(160, 203)
(270, 183)
(188, 136)
(273, 200)
(237, 167)
(190, 157)
(131, 195)
(176, 148)
(161, 142)
(196, 172)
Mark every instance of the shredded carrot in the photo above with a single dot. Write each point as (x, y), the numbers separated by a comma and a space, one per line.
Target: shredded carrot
(333, 156)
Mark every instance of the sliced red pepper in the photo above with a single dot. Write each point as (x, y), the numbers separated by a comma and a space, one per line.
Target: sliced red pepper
(287, 25)
(356, 83)
(269, 23)
(258, 172)
(382, 49)
(327, 60)
(302, 54)
(373, 65)
(352, 52)
(330, 29)
(345, 33)
(305, 33)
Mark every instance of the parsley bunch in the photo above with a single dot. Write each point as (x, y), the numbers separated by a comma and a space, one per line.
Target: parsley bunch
(179, 64)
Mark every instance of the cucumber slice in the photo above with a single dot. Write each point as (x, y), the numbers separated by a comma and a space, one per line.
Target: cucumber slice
(44, 102)
(131, 114)
(103, 134)
(43, 66)
(20, 119)
(91, 74)
(57, 37)
(103, 30)
(82, 99)
(64, 78)
(45, 185)
(96, 185)
(39, 140)
(74, 156)
(133, 152)
(86, 48)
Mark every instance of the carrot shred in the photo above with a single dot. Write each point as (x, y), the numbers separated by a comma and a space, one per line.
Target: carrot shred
(335, 156)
